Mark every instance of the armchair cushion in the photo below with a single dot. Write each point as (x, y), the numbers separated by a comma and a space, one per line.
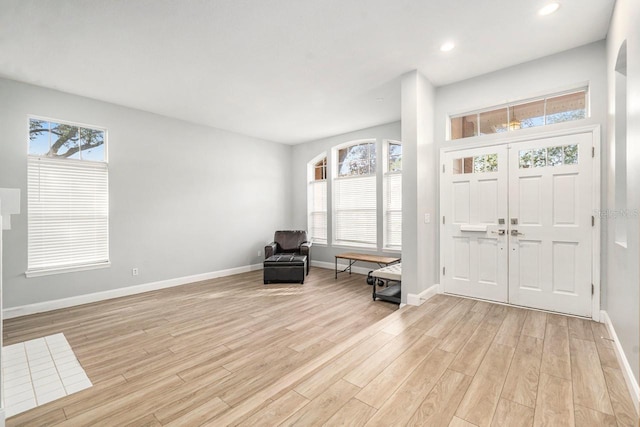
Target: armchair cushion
(289, 240)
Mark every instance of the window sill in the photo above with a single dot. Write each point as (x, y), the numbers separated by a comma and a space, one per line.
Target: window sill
(352, 246)
(50, 271)
(392, 250)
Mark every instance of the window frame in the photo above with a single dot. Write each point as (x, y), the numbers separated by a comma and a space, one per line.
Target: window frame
(336, 179)
(509, 107)
(72, 163)
(311, 181)
(387, 175)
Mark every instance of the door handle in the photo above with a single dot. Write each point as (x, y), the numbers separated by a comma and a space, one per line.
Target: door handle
(498, 232)
(516, 233)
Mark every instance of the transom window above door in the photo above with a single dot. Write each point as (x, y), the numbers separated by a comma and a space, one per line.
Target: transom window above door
(551, 109)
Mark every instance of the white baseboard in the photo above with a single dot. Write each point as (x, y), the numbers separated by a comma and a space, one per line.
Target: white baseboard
(413, 299)
(332, 266)
(24, 310)
(629, 378)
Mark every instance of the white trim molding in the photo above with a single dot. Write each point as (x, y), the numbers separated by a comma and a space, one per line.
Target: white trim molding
(2, 417)
(24, 310)
(418, 299)
(629, 378)
(49, 271)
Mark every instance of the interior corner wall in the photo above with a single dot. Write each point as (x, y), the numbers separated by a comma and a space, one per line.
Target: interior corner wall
(184, 199)
(623, 274)
(419, 192)
(302, 154)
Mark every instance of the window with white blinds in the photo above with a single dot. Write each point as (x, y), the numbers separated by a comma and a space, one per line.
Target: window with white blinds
(366, 199)
(68, 214)
(317, 210)
(393, 210)
(355, 195)
(355, 210)
(67, 198)
(392, 185)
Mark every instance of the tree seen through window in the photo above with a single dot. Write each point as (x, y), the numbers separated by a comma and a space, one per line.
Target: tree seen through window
(357, 159)
(59, 140)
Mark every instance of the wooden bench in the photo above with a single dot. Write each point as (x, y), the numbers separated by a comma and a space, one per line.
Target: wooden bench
(354, 257)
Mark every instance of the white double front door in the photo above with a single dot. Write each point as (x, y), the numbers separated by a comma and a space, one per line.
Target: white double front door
(517, 223)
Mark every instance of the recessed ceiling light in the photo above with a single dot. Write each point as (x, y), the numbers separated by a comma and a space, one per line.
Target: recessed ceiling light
(446, 47)
(548, 9)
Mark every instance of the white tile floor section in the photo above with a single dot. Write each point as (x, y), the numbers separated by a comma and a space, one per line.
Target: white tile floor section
(38, 371)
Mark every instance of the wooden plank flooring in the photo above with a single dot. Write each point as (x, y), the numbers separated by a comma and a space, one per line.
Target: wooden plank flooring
(232, 351)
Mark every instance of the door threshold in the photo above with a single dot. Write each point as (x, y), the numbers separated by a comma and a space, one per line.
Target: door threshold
(519, 306)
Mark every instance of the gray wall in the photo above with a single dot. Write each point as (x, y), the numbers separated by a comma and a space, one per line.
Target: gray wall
(303, 154)
(623, 275)
(184, 199)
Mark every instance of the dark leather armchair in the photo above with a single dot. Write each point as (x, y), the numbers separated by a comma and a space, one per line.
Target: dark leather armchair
(289, 242)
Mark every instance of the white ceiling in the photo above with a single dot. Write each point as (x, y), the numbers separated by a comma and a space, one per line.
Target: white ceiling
(282, 70)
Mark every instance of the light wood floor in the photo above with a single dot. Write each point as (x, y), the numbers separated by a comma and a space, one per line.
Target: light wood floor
(232, 351)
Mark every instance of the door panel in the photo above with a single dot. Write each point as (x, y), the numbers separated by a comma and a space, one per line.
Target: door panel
(473, 197)
(530, 257)
(530, 201)
(550, 190)
(461, 258)
(488, 253)
(565, 199)
(461, 202)
(487, 200)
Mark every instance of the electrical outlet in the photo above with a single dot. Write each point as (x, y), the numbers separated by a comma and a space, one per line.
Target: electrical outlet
(259, 253)
(134, 271)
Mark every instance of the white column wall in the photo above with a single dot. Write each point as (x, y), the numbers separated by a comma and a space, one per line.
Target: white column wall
(419, 181)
